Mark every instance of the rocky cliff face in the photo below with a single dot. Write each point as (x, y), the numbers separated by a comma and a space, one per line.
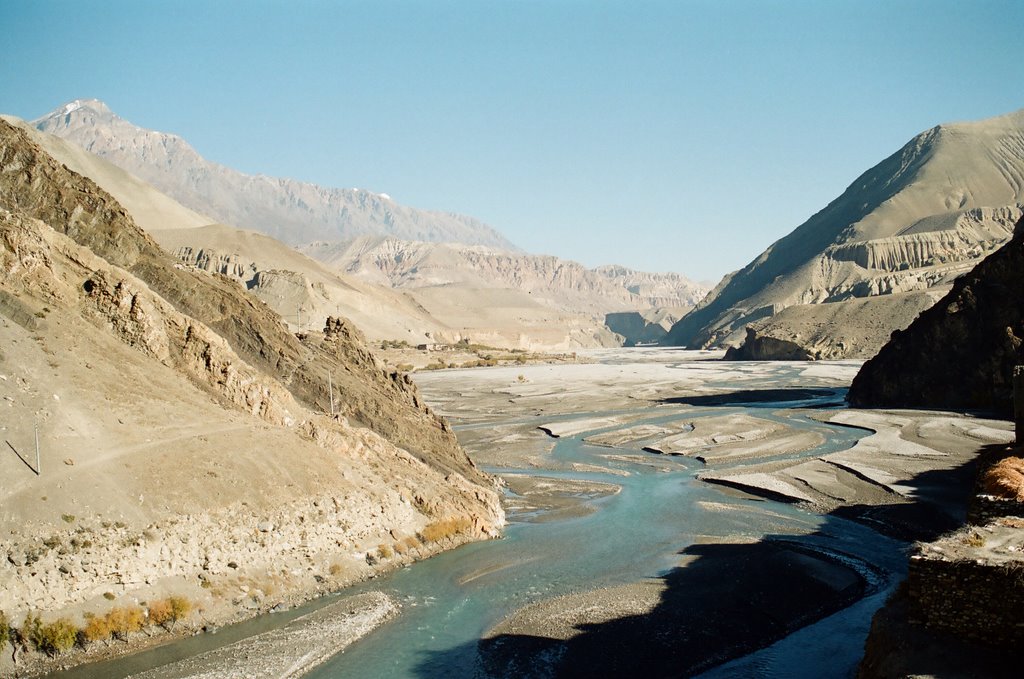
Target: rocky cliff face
(923, 216)
(960, 353)
(855, 328)
(187, 441)
(558, 283)
(291, 211)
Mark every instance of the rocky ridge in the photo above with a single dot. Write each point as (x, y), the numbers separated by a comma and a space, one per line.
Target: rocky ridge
(291, 211)
(188, 445)
(855, 328)
(559, 283)
(918, 219)
(960, 354)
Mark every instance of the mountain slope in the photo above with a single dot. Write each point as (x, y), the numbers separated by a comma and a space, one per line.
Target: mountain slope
(184, 435)
(151, 209)
(291, 211)
(917, 220)
(529, 301)
(960, 354)
(558, 283)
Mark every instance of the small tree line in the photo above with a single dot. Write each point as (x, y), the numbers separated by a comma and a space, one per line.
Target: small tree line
(60, 635)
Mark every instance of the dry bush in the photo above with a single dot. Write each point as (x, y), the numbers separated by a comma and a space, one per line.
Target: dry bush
(974, 540)
(180, 607)
(124, 620)
(97, 628)
(1011, 522)
(335, 569)
(1005, 479)
(160, 613)
(439, 530)
(384, 551)
(5, 629)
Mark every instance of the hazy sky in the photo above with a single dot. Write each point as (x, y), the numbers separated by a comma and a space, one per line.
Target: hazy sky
(682, 136)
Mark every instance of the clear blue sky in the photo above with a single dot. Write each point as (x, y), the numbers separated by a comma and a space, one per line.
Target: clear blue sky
(682, 136)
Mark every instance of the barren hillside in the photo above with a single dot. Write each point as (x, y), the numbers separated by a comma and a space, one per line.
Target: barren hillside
(186, 441)
(917, 220)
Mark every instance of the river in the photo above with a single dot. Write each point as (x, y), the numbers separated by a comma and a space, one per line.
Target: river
(591, 540)
(638, 533)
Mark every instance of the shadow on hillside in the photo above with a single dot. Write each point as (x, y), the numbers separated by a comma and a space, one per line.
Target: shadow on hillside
(729, 599)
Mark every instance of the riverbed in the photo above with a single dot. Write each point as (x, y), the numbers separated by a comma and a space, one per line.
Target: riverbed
(619, 560)
(621, 553)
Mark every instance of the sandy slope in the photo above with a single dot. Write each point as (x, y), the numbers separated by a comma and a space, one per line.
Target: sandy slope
(919, 218)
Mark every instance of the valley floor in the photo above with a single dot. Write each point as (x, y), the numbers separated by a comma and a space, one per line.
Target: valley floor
(777, 510)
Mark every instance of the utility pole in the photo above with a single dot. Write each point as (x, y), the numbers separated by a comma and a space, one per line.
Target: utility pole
(38, 469)
(330, 388)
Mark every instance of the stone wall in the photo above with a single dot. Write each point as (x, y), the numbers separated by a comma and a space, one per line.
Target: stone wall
(977, 601)
(985, 508)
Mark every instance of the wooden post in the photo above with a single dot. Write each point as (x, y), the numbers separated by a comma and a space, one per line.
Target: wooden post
(39, 470)
(1018, 402)
(330, 388)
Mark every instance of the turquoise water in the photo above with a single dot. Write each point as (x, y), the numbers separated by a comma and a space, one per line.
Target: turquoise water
(451, 600)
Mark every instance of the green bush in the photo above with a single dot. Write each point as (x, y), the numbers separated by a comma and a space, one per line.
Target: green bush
(5, 628)
(56, 637)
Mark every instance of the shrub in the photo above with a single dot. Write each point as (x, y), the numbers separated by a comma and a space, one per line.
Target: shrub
(160, 613)
(180, 607)
(124, 620)
(97, 628)
(56, 637)
(5, 629)
(439, 530)
(335, 569)
(385, 552)
(32, 629)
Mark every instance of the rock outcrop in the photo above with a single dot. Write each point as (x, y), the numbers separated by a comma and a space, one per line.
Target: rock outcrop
(959, 354)
(291, 211)
(917, 220)
(856, 328)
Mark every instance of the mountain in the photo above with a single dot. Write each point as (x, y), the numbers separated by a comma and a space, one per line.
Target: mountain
(290, 211)
(559, 283)
(961, 353)
(186, 436)
(915, 221)
(510, 288)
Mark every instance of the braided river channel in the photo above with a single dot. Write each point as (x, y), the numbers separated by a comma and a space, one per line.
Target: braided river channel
(593, 510)
(636, 534)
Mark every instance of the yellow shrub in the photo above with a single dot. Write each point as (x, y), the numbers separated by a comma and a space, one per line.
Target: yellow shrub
(97, 628)
(160, 613)
(439, 530)
(124, 620)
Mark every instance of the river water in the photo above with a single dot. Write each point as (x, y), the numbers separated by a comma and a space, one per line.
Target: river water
(451, 600)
